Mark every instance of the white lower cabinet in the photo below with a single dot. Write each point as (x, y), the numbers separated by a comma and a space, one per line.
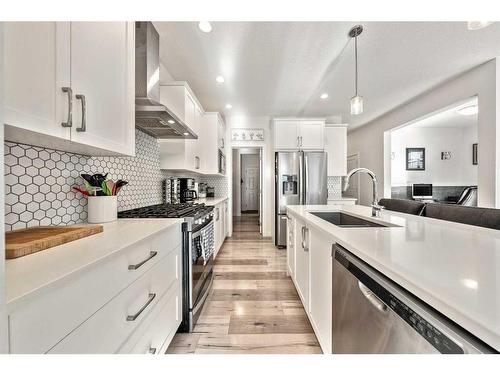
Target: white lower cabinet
(310, 266)
(220, 225)
(320, 298)
(107, 307)
(301, 275)
(290, 245)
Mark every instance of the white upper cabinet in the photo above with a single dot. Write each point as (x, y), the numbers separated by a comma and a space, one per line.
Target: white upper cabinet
(213, 139)
(336, 147)
(36, 68)
(47, 64)
(286, 134)
(183, 154)
(311, 135)
(178, 97)
(102, 79)
(299, 134)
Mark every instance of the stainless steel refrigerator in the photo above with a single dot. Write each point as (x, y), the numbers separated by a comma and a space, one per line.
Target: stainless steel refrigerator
(300, 178)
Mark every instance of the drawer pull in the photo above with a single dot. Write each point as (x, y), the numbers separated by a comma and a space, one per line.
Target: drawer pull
(152, 254)
(131, 318)
(152, 351)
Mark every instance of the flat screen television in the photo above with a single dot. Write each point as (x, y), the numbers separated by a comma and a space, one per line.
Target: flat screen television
(422, 190)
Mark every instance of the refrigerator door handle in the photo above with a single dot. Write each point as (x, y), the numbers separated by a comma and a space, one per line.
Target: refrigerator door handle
(301, 179)
(306, 178)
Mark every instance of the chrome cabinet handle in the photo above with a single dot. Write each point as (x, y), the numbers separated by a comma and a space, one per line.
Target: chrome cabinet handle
(300, 141)
(152, 351)
(223, 144)
(131, 318)
(83, 127)
(196, 162)
(152, 254)
(304, 247)
(69, 120)
(370, 296)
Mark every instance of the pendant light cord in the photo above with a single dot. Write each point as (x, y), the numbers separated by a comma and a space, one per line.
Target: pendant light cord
(356, 63)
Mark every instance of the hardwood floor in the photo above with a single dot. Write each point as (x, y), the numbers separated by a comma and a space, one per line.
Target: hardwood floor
(253, 307)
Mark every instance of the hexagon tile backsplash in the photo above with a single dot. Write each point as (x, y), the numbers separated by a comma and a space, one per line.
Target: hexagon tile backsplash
(38, 182)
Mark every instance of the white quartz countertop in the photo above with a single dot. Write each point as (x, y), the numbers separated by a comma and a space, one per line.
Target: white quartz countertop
(342, 199)
(453, 267)
(34, 272)
(211, 201)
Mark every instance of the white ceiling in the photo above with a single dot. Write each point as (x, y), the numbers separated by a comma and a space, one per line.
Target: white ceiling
(281, 68)
(448, 118)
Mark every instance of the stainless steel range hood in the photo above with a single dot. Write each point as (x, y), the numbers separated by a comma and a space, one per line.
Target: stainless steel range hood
(150, 115)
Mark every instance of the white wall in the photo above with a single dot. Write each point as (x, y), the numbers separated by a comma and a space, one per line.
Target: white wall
(457, 171)
(482, 81)
(263, 122)
(3, 314)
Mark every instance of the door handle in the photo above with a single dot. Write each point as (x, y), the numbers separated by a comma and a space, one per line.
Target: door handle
(69, 120)
(151, 297)
(152, 254)
(83, 127)
(152, 351)
(370, 296)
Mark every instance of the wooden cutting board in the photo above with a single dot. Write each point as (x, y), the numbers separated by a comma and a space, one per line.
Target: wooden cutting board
(23, 242)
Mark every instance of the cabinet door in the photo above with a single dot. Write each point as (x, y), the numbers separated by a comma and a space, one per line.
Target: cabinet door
(302, 263)
(209, 148)
(36, 68)
(217, 231)
(320, 298)
(290, 245)
(221, 131)
(102, 69)
(311, 135)
(286, 134)
(336, 147)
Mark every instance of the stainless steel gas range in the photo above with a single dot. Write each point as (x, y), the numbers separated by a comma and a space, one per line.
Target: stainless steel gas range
(197, 248)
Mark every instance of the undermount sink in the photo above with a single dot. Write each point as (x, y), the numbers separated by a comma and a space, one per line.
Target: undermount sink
(344, 220)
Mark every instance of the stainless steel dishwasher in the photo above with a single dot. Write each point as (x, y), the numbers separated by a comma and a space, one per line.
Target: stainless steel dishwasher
(372, 314)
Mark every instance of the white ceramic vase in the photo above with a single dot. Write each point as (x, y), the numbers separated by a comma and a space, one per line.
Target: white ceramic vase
(102, 209)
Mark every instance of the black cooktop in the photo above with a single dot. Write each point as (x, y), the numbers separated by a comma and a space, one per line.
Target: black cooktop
(193, 210)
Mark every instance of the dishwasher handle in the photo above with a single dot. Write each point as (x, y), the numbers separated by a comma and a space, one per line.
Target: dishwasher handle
(370, 296)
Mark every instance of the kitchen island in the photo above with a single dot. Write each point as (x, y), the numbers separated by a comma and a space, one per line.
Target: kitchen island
(450, 266)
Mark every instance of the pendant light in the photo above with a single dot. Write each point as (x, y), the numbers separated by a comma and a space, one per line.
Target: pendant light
(356, 100)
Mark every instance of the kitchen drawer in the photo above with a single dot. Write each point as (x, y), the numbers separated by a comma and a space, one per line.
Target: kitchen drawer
(43, 321)
(107, 330)
(159, 326)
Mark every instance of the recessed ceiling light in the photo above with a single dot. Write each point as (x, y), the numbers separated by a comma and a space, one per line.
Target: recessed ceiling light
(229, 106)
(205, 26)
(220, 79)
(470, 283)
(185, 133)
(171, 121)
(468, 110)
(324, 96)
(477, 25)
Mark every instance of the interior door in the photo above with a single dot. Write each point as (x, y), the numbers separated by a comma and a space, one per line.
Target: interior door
(251, 189)
(102, 69)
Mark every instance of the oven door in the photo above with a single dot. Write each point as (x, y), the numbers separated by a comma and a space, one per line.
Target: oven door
(202, 261)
